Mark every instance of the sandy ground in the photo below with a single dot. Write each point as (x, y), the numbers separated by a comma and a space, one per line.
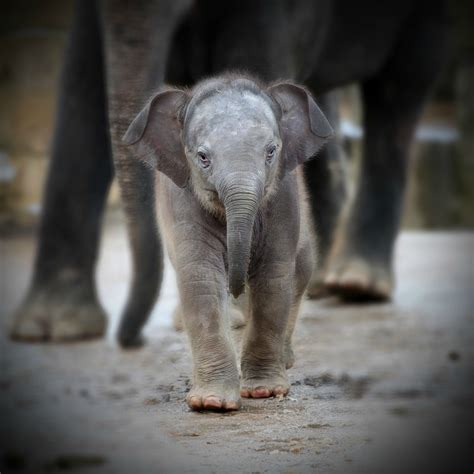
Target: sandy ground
(375, 388)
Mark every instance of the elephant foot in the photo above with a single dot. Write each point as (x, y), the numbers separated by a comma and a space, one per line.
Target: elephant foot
(130, 341)
(59, 314)
(265, 386)
(222, 396)
(355, 278)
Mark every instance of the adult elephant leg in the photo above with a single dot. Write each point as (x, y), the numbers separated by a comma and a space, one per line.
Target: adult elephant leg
(137, 36)
(62, 302)
(361, 259)
(326, 178)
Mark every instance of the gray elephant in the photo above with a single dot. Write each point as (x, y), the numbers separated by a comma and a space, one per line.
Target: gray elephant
(120, 50)
(233, 213)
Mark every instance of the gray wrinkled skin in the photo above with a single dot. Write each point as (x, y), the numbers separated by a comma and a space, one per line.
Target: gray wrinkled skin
(237, 221)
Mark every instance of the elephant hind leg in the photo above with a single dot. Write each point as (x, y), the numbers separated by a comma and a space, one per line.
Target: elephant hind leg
(303, 272)
(361, 258)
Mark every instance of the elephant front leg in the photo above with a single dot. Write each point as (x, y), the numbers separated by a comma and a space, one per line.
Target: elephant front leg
(264, 355)
(215, 373)
(62, 303)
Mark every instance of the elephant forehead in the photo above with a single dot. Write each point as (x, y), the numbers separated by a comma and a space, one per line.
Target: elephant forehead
(244, 138)
(233, 114)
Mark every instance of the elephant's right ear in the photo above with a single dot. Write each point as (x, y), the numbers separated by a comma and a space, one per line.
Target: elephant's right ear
(156, 131)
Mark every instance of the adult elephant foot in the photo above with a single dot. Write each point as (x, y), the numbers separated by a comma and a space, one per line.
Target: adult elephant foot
(59, 313)
(355, 276)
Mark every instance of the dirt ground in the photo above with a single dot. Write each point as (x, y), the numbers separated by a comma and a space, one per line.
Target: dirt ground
(375, 388)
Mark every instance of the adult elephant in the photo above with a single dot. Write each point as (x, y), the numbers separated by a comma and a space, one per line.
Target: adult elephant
(121, 50)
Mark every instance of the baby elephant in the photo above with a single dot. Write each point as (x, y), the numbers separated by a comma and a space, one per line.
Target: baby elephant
(233, 213)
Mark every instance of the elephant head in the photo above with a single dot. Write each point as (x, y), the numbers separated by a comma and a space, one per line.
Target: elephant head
(231, 141)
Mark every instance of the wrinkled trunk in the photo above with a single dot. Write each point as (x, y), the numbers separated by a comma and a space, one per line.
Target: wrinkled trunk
(241, 194)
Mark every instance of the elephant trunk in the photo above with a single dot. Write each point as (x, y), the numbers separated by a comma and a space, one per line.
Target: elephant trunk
(241, 194)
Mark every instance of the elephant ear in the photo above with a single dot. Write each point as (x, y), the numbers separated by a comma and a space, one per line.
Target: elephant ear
(304, 128)
(156, 132)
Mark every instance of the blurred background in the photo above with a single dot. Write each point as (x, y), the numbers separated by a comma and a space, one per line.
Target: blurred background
(33, 36)
(389, 384)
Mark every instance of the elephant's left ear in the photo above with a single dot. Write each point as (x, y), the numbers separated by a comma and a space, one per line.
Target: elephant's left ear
(303, 126)
(156, 131)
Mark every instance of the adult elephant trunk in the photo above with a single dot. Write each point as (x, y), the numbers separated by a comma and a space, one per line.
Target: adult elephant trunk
(241, 193)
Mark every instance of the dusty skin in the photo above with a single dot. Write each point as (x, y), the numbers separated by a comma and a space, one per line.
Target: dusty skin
(374, 388)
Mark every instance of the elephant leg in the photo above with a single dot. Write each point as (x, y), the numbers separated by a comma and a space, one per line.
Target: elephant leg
(326, 178)
(137, 37)
(204, 305)
(263, 361)
(361, 258)
(62, 301)
(237, 316)
(303, 271)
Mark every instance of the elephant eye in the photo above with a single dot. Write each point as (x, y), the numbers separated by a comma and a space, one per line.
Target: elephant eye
(204, 161)
(271, 151)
